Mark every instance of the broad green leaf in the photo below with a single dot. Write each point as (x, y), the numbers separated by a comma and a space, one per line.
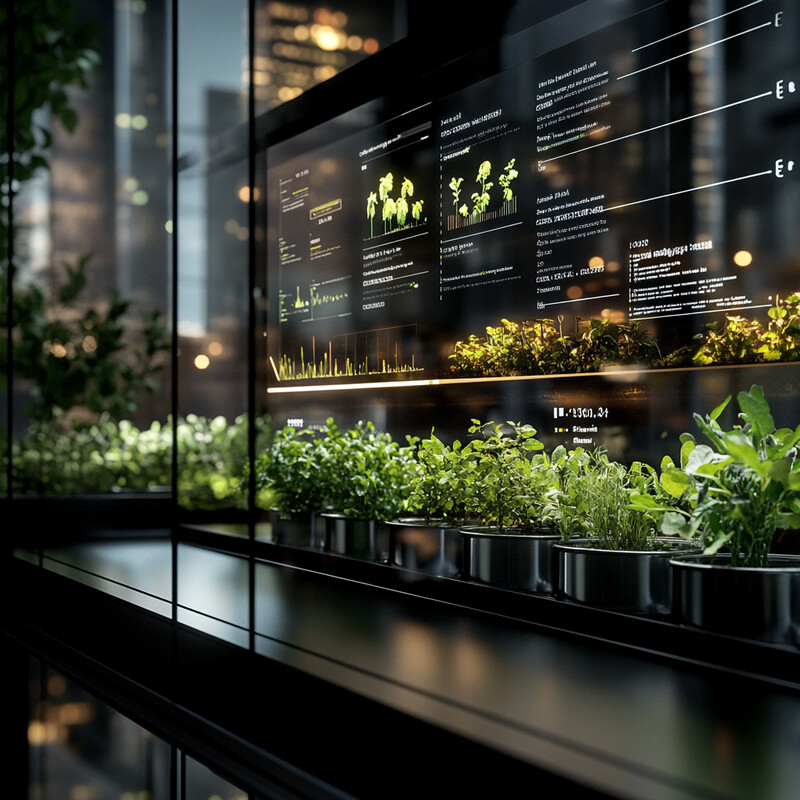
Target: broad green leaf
(740, 447)
(673, 524)
(675, 483)
(700, 456)
(755, 406)
(788, 438)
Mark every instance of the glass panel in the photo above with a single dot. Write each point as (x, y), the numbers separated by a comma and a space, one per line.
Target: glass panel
(213, 231)
(299, 45)
(138, 572)
(203, 784)
(81, 748)
(213, 593)
(89, 204)
(587, 232)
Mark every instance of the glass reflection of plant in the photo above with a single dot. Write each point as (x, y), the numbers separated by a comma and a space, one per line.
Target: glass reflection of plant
(742, 340)
(74, 354)
(541, 347)
(80, 359)
(106, 455)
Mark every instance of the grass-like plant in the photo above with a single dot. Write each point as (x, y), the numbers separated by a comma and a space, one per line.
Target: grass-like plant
(594, 500)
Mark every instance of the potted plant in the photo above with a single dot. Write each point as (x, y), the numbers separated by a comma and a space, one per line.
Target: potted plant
(734, 494)
(610, 555)
(426, 538)
(507, 480)
(371, 475)
(294, 472)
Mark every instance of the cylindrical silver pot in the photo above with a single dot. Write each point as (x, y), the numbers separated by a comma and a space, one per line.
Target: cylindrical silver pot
(359, 538)
(425, 547)
(295, 530)
(631, 581)
(517, 561)
(761, 603)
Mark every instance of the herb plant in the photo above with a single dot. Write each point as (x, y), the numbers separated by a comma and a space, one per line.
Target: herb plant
(371, 473)
(295, 470)
(542, 347)
(441, 481)
(500, 489)
(735, 492)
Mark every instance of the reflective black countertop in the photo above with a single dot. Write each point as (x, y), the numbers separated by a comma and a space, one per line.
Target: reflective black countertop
(615, 718)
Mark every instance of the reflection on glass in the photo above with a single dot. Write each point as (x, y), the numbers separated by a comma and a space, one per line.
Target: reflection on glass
(203, 784)
(609, 205)
(301, 44)
(81, 748)
(88, 239)
(213, 591)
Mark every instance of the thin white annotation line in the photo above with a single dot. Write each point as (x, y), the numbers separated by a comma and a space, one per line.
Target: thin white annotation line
(699, 25)
(658, 127)
(696, 50)
(634, 316)
(685, 191)
(480, 233)
(581, 299)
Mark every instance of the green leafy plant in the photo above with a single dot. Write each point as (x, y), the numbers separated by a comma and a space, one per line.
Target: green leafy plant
(80, 355)
(440, 482)
(372, 472)
(735, 492)
(542, 347)
(53, 52)
(57, 457)
(593, 500)
(293, 472)
(745, 340)
(212, 456)
(611, 518)
(500, 486)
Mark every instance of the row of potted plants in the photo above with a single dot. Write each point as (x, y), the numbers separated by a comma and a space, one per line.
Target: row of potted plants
(500, 510)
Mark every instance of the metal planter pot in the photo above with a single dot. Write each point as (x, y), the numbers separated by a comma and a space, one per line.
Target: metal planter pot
(300, 529)
(359, 538)
(761, 603)
(429, 548)
(517, 561)
(630, 581)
